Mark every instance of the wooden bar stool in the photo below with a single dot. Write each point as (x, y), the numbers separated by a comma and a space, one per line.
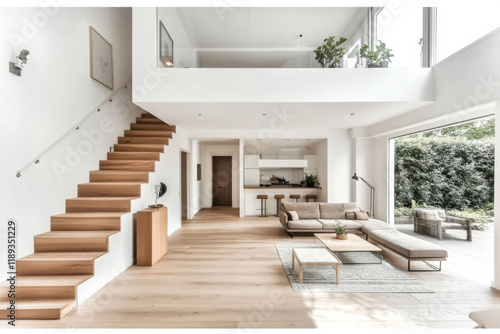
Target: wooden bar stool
(263, 205)
(278, 203)
(295, 197)
(313, 197)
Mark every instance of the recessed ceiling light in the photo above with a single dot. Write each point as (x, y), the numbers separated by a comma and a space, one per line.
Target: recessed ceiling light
(236, 60)
(352, 114)
(264, 114)
(275, 61)
(199, 114)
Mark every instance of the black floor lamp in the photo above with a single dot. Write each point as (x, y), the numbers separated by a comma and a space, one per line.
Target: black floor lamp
(372, 193)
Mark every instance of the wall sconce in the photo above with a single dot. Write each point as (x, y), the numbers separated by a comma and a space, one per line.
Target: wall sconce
(20, 61)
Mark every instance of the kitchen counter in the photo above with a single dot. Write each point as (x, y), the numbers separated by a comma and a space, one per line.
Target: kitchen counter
(252, 204)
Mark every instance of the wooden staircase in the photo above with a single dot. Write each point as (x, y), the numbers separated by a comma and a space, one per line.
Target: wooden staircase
(47, 281)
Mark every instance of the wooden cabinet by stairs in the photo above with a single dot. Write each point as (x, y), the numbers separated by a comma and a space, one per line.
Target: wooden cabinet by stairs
(47, 280)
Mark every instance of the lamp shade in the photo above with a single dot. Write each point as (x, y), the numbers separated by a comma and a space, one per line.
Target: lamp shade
(355, 177)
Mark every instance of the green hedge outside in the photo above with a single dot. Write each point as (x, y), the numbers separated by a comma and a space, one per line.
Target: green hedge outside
(445, 172)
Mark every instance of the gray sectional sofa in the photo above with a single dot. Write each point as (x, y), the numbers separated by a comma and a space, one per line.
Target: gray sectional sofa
(319, 217)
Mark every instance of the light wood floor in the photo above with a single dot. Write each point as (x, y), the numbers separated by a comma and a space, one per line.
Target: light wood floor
(222, 271)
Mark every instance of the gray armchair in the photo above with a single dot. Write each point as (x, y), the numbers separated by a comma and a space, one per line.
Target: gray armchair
(435, 222)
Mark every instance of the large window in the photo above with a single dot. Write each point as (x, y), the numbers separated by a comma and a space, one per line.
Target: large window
(400, 27)
(460, 25)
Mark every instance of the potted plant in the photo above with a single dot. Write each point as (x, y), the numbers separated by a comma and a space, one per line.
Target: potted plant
(310, 180)
(330, 53)
(341, 231)
(378, 58)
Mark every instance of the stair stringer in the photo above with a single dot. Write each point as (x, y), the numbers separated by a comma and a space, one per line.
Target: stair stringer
(121, 245)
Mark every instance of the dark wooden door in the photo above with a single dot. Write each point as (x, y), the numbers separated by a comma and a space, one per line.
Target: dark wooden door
(222, 180)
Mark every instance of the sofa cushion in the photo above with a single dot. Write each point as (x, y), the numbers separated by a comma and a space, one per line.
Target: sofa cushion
(305, 224)
(409, 246)
(351, 207)
(304, 210)
(428, 214)
(361, 215)
(373, 225)
(292, 215)
(350, 215)
(331, 210)
(330, 224)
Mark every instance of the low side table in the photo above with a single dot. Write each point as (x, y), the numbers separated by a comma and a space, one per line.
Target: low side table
(315, 257)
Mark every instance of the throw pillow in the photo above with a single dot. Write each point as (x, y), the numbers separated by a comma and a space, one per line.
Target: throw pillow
(293, 215)
(350, 215)
(361, 215)
(430, 215)
(367, 212)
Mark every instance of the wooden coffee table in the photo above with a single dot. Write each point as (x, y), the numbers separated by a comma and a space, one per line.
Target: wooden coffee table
(315, 257)
(352, 244)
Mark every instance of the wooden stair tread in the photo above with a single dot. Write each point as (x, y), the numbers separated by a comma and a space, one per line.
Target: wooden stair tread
(62, 256)
(48, 280)
(43, 303)
(103, 198)
(148, 133)
(74, 234)
(137, 165)
(143, 140)
(91, 214)
(140, 120)
(104, 184)
(154, 127)
(148, 115)
(140, 156)
(119, 176)
(40, 308)
(139, 148)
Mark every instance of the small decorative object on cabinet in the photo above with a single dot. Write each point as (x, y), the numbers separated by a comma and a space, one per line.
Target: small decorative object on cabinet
(151, 241)
(160, 190)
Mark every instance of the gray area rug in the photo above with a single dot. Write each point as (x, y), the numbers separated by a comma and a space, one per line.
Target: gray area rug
(372, 277)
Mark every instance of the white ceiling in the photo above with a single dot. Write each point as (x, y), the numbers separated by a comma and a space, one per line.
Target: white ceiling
(257, 116)
(223, 35)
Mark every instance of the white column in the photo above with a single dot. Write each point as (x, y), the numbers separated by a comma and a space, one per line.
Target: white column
(496, 247)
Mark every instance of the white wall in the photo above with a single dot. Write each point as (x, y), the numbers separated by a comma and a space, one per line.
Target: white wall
(208, 152)
(184, 54)
(54, 92)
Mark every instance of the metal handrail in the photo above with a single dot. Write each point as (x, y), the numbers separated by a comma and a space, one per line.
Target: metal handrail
(76, 127)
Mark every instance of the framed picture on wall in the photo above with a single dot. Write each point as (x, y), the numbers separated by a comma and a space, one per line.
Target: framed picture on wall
(166, 47)
(198, 172)
(101, 59)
